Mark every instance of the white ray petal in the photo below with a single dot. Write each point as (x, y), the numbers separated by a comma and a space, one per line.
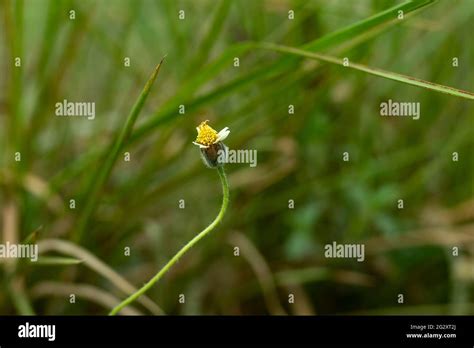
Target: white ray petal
(223, 134)
(200, 145)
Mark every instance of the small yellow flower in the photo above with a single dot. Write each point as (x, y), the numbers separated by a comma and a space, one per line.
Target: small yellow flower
(207, 136)
(211, 145)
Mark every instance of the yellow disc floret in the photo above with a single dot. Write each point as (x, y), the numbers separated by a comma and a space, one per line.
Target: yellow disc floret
(206, 135)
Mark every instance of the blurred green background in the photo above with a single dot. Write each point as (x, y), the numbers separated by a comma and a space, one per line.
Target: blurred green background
(408, 251)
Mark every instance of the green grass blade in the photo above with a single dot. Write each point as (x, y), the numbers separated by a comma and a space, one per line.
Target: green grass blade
(205, 74)
(353, 32)
(206, 45)
(103, 171)
(383, 18)
(33, 236)
(373, 71)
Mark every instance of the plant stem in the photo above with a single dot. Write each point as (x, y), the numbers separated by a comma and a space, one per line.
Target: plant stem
(184, 249)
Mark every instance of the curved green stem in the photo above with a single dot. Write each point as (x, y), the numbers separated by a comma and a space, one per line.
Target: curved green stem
(184, 249)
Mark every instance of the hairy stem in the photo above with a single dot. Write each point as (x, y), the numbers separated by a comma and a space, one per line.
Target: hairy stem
(184, 249)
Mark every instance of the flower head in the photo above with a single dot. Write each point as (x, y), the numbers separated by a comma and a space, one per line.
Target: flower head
(211, 145)
(207, 136)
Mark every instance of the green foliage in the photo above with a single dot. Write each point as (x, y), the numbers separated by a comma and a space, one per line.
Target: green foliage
(135, 204)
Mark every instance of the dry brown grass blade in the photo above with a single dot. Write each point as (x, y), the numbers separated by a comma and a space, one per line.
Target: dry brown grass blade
(262, 271)
(92, 293)
(442, 236)
(98, 266)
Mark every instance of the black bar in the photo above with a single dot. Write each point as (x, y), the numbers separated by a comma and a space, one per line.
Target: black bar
(223, 330)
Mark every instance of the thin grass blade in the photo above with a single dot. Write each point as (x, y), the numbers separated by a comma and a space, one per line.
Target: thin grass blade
(103, 171)
(373, 71)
